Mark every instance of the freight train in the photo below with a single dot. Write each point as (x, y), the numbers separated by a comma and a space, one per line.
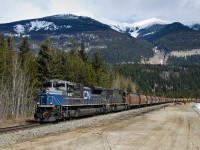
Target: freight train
(60, 100)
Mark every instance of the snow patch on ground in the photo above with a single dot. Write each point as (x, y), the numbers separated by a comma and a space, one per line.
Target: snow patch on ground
(148, 34)
(67, 16)
(134, 33)
(37, 25)
(133, 28)
(19, 29)
(197, 107)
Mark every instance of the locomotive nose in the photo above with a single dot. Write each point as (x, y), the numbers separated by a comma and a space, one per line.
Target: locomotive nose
(42, 99)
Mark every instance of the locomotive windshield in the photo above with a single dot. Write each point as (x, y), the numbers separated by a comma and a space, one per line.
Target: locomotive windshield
(54, 85)
(59, 86)
(47, 85)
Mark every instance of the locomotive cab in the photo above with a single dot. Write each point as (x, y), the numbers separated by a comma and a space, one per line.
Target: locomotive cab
(49, 100)
(52, 91)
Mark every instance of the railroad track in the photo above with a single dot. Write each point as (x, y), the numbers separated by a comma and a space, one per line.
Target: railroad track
(33, 124)
(18, 128)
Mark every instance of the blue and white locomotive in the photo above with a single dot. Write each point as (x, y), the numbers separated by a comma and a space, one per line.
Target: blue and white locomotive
(59, 100)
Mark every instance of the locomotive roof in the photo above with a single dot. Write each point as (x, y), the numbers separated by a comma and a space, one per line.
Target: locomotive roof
(97, 87)
(59, 81)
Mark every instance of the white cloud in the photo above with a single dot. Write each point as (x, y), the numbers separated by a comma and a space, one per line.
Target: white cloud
(14, 10)
(126, 10)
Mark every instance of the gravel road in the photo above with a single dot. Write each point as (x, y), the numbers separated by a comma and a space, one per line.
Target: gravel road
(175, 127)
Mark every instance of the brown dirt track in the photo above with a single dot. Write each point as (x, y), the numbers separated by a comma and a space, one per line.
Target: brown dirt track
(173, 128)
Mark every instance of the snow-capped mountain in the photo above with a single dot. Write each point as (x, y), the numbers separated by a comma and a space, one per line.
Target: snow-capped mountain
(61, 29)
(56, 24)
(195, 26)
(135, 28)
(115, 40)
(35, 26)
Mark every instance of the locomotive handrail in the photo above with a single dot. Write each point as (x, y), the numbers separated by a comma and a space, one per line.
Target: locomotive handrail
(58, 103)
(54, 98)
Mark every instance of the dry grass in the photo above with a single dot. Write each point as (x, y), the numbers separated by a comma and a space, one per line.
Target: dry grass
(12, 122)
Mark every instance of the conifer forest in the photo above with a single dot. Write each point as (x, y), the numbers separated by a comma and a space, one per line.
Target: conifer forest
(22, 71)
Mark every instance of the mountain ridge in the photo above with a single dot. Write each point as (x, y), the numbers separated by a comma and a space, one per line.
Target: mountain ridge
(116, 44)
(63, 28)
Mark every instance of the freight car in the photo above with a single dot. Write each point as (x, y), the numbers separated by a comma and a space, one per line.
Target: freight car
(60, 100)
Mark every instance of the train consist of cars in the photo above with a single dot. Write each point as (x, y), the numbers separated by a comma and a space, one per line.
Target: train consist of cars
(60, 100)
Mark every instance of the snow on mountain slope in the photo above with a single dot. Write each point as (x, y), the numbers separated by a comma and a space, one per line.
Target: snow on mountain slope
(66, 16)
(134, 28)
(36, 26)
(39, 24)
(149, 22)
(20, 29)
(128, 28)
(195, 26)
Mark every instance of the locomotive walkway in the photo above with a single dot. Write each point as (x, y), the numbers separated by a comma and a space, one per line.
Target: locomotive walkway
(172, 128)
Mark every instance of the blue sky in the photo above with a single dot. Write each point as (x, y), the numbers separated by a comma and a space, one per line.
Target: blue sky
(118, 10)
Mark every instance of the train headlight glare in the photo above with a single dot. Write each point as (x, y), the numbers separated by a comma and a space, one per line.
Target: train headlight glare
(38, 103)
(51, 103)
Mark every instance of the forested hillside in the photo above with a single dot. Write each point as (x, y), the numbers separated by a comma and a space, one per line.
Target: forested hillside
(22, 72)
(115, 47)
(179, 41)
(167, 81)
(187, 60)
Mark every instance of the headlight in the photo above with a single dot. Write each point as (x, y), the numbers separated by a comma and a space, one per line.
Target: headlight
(38, 103)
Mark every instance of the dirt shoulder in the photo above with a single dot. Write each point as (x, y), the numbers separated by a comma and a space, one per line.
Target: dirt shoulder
(175, 127)
(12, 122)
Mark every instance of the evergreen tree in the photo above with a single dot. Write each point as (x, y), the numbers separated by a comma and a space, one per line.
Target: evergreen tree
(65, 66)
(56, 65)
(24, 49)
(2, 54)
(5, 60)
(83, 53)
(31, 68)
(73, 52)
(28, 61)
(97, 60)
(45, 59)
(89, 74)
(10, 43)
(97, 64)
